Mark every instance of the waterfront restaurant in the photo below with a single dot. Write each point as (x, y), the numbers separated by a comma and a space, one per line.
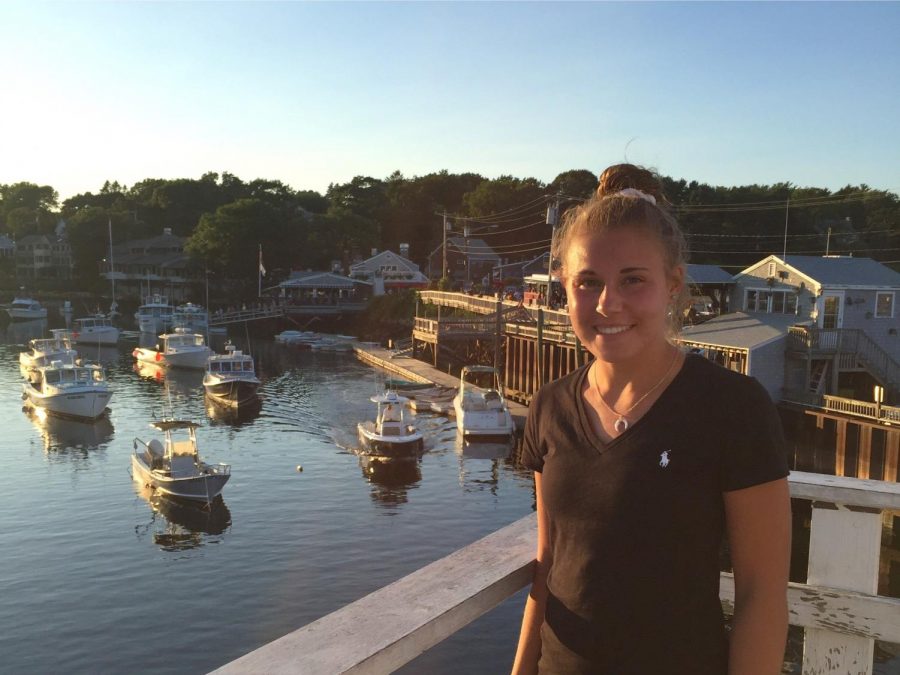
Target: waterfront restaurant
(314, 293)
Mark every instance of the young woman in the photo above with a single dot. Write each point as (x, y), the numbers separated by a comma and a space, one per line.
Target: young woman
(643, 460)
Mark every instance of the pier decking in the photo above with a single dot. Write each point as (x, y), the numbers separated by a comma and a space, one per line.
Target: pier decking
(838, 606)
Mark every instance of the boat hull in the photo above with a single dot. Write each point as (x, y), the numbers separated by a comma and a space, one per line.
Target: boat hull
(483, 423)
(85, 405)
(388, 447)
(233, 392)
(184, 359)
(201, 488)
(105, 338)
(26, 314)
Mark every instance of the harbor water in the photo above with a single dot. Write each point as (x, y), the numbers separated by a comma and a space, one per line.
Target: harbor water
(98, 576)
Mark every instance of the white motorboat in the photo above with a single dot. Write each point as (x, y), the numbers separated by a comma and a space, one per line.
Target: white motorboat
(95, 330)
(194, 318)
(26, 309)
(297, 338)
(177, 350)
(173, 466)
(480, 407)
(389, 436)
(231, 378)
(43, 351)
(332, 343)
(69, 390)
(155, 315)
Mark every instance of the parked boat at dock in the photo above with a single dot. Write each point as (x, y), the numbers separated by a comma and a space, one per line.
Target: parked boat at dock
(69, 390)
(174, 467)
(155, 315)
(177, 350)
(95, 330)
(389, 436)
(480, 407)
(43, 351)
(26, 309)
(231, 378)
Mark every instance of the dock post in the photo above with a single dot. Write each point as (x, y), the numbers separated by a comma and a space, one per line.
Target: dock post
(844, 548)
(497, 329)
(540, 348)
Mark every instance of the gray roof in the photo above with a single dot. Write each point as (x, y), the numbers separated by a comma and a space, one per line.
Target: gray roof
(740, 330)
(845, 271)
(312, 279)
(478, 249)
(708, 274)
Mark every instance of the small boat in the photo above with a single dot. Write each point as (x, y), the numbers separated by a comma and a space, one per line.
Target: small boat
(95, 330)
(297, 338)
(26, 309)
(155, 315)
(173, 466)
(333, 343)
(69, 390)
(180, 349)
(480, 407)
(389, 436)
(43, 351)
(195, 319)
(231, 378)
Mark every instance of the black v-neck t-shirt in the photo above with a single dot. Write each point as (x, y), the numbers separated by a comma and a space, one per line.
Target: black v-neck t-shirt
(636, 524)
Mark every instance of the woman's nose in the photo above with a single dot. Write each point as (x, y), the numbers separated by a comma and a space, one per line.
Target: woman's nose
(608, 301)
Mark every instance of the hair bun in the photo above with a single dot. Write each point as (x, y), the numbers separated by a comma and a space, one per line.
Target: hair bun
(624, 176)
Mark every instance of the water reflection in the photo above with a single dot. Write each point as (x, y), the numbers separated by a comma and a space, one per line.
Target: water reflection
(236, 416)
(391, 480)
(484, 448)
(60, 434)
(179, 525)
(178, 381)
(20, 332)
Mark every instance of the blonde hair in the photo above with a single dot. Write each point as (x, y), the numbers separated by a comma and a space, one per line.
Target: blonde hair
(630, 197)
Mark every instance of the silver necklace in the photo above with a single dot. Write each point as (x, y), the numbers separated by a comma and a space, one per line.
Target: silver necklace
(621, 424)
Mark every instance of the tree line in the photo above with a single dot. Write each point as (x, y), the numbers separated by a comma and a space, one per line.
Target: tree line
(226, 218)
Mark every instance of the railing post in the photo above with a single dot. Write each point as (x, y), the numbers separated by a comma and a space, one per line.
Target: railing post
(844, 547)
(539, 356)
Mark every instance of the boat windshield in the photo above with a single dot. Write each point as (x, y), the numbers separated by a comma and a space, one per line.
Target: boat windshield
(481, 379)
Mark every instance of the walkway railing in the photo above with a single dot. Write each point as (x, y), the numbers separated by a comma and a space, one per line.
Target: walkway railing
(873, 411)
(838, 607)
(488, 305)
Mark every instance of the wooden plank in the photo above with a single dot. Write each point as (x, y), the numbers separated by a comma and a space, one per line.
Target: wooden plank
(388, 628)
(833, 609)
(840, 450)
(891, 455)
(844, 548)
(864, 465)
(873, 494)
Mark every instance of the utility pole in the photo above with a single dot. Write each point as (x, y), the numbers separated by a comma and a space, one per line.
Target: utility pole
(828, 242)
(467, 230)
(787, 209)
(444, 272)
(552, 221)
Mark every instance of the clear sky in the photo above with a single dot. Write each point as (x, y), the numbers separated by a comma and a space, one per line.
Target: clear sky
(314, 93)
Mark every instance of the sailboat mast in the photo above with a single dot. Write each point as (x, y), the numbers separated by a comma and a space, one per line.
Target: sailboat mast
(112, 273)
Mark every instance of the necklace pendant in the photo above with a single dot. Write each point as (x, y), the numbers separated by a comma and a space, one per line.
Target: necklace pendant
(620, 425)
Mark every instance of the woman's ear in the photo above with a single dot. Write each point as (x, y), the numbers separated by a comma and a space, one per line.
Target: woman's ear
(676, 282)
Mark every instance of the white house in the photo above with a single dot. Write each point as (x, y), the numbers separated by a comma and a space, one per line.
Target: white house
(808, 326)
(388, 270)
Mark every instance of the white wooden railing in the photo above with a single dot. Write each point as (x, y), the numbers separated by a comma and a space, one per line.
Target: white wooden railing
(873, 411)
(838, 606)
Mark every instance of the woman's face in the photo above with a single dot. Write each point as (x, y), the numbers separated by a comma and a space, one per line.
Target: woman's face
(619, 293)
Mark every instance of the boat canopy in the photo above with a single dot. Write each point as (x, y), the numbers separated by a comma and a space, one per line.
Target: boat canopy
(169, 425)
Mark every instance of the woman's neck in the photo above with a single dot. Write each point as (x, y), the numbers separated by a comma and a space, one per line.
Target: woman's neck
(633, 378)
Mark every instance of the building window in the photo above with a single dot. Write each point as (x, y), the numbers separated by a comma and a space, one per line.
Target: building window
(773, 302)
(884, 305)
(771, 269)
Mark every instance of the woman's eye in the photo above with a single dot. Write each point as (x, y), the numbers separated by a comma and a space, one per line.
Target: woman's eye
(629, 281)
(591, 284)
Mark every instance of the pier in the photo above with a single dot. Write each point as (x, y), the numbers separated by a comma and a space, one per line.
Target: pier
(838, 607)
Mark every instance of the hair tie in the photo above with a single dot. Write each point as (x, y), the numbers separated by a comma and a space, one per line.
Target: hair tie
(636, 194)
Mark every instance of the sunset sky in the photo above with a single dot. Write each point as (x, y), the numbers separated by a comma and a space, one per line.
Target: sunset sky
(315, 93)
